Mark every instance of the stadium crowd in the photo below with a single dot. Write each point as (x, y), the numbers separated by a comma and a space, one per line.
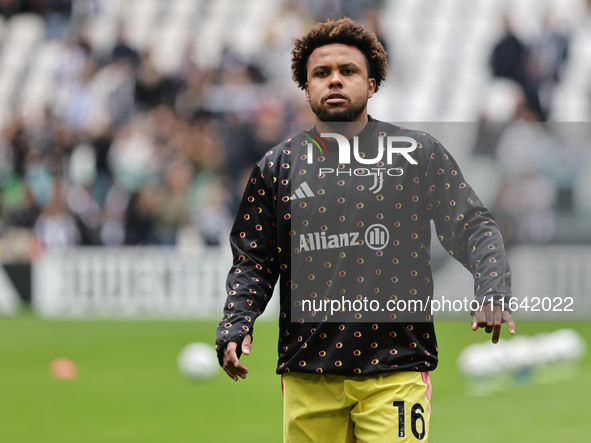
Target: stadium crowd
(127, 155)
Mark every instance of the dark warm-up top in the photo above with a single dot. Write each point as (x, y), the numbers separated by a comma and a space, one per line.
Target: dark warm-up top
(354, 237)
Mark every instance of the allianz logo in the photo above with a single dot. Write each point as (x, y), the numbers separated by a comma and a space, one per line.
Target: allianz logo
(376, 237)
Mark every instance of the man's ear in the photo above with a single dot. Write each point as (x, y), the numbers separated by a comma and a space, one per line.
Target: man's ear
(307, 93)
(371, 87)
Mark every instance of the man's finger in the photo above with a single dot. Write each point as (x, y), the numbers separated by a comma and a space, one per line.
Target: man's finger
(496, 324)
(478, 319)
(231, 364)
(510, 322)
(481, 315)
(231, 375)
(246, 344)
(490, 318)
(231, 353)
(239, 370)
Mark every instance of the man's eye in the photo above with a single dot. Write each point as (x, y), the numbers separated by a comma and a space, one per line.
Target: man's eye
(321, 73)
(349, 71)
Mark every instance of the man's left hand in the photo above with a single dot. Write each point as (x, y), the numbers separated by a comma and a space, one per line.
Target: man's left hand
(491, 320)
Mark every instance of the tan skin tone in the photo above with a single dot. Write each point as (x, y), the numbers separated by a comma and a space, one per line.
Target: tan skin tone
(491, 321)
(337, 80)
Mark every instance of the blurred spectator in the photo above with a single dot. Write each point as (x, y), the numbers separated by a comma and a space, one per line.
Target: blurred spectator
(269, 128)
(239, 145)
(211, 216)
(133, 157)
(114, 227)
(73, 58)
(25, 215)
(192, 79)
(326, 9)
(370, 17)
(57, 17)
(524, 210)
(172, 211)
(357, 9)
(82, 106)
(114, 88)
(13, 200)
(41, 134)
(55, 228)
(548, 56)
(123, 50)
(509, 59)
(39, 177)
(84, 12)
(87, 214)
(561, 165)
(6, 160)
(101, 140)
(17, 143)
(291, 20)
(202, 143)
(8, 8)
(153, 88)
(139, 220)
(525, 203)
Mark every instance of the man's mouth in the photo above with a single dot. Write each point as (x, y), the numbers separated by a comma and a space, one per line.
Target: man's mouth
(335, 98)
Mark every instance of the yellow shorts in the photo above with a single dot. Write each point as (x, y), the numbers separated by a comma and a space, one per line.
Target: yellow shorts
(390, 407)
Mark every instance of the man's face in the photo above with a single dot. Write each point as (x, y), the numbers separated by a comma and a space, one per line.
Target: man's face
(338, 86)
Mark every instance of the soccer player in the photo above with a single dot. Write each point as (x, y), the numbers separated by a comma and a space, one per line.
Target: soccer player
(332, 232)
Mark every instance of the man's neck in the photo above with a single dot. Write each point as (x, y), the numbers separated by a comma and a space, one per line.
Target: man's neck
(348, 129)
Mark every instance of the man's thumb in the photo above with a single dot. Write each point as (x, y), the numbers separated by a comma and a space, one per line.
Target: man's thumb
(246, 344)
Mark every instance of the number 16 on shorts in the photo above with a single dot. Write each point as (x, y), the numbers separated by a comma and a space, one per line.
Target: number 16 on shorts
(417, 429)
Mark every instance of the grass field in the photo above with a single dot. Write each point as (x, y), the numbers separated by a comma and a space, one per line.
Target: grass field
(129, 390)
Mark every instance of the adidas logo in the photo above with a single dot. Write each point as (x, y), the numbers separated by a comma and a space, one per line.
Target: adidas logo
(303, 191)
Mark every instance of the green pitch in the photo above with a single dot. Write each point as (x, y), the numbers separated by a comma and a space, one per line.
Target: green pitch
(128, 389)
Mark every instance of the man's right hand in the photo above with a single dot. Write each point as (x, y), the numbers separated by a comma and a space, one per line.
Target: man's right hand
(231, 364)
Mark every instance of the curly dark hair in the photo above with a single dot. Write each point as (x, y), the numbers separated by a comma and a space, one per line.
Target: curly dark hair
(344, 31)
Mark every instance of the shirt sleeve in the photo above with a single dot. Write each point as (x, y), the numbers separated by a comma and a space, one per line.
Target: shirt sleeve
(254, 271)
(465, 227)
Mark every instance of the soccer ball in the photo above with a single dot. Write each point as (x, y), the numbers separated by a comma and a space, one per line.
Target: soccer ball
(198, 361)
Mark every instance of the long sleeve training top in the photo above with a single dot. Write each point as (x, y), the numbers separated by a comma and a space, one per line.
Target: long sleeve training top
(332, 231)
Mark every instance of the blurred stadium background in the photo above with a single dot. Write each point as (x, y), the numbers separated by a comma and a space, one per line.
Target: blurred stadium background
(127, 128)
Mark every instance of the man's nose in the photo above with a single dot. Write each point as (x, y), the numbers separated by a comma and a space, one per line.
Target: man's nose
(335, 79)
